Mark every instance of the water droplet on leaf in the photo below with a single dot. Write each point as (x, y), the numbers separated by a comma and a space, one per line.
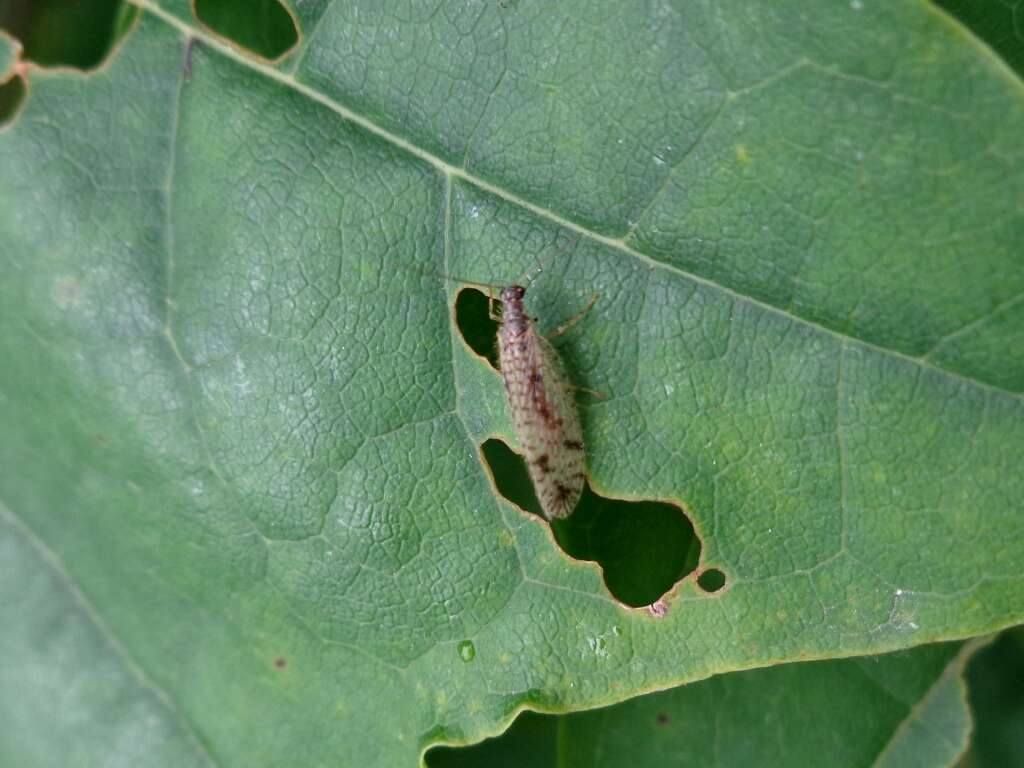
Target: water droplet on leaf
(467, 651)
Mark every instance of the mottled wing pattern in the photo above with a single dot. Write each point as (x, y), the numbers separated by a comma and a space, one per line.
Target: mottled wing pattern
(540, 399)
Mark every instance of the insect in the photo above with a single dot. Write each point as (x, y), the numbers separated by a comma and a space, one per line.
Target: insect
(541, 403)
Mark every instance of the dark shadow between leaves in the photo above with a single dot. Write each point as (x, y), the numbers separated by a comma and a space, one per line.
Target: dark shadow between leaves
(264, 28)
(532, 739)
(643, 547)
(1000, 25)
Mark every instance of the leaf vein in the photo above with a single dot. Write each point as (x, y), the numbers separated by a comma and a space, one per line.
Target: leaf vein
(617, 243)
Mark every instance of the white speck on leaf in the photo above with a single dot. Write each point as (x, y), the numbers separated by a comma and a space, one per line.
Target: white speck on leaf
(242, 381)
(598, 646)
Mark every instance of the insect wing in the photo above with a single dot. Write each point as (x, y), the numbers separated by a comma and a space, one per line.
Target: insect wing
(544, 415)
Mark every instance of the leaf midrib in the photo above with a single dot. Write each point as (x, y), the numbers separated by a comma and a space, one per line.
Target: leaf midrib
(619, 244)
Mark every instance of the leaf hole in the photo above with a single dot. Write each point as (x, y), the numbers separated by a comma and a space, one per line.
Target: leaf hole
(643, 547)
(711, 580)
(12, 95)
(280, 662)
(261, 27)
(56, 33)
(473, 318)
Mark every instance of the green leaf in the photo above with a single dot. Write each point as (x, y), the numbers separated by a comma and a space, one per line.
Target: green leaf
(9, 52)
(58, 33)
(238, 417)
(62, 666)
(997, 703)
(263, 27)
(905, 708)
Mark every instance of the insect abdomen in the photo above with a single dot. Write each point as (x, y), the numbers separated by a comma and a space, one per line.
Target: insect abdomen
(540, 400)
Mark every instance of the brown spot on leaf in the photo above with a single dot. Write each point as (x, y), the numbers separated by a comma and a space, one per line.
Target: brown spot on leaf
(186, 64)
(658, 609)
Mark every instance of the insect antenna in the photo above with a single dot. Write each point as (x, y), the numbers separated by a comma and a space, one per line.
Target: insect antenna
(446, 276)
(527, 277)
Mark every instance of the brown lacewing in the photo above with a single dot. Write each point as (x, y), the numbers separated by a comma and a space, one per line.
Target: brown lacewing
(541, 401)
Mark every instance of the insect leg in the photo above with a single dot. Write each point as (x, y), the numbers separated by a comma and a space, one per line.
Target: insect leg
(573, 320)
(490, 306)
